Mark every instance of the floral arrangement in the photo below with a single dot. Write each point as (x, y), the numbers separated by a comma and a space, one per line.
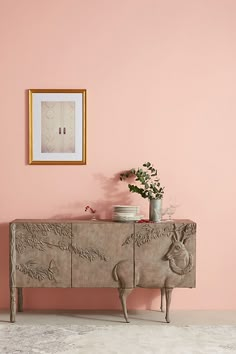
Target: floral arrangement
(149, 185)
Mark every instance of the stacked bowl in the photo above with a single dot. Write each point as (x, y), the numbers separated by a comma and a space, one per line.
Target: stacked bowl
(125, 213)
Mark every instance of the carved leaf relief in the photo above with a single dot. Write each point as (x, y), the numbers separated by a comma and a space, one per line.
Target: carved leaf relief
(37, 237)
(88, 253)
(37, 271)
(43, 229)
(148, 233)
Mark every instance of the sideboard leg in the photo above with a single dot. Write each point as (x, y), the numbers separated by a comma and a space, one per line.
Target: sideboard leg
(12, 304)
(20, 299)
(168, 292)
(162, 299)
(123, 294)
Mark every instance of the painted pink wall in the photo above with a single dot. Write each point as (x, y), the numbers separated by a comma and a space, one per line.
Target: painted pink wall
(161, 82)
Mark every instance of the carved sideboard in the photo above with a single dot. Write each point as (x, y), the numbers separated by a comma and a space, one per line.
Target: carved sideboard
(71, 254)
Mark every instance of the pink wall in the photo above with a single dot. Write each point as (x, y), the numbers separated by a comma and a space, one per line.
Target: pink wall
(161, 82)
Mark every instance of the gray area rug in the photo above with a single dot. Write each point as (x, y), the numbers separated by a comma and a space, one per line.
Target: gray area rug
(124, 338)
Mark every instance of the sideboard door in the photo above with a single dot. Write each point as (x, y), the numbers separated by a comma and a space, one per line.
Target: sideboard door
(165, 254)
(42, 254)
(96, 249)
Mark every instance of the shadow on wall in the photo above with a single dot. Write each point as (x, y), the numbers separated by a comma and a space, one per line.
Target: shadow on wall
(111, 196)
(84, 298)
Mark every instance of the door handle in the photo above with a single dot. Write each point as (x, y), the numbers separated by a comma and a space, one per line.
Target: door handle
(60, 130)
(64, 130)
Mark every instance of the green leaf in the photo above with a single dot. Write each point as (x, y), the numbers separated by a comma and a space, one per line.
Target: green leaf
(145, 183)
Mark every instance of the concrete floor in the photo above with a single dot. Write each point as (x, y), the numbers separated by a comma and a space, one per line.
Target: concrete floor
(101, 318)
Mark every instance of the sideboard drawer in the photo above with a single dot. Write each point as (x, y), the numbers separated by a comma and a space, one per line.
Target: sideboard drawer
(96, 249)
(153, 242)
(43, 255)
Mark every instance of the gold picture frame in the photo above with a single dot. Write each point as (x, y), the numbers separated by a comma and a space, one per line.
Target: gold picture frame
(57, 127)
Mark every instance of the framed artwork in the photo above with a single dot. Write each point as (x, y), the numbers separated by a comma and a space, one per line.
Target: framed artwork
(57, 127)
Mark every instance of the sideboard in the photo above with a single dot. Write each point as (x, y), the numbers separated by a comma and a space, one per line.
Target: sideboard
(71, 254)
